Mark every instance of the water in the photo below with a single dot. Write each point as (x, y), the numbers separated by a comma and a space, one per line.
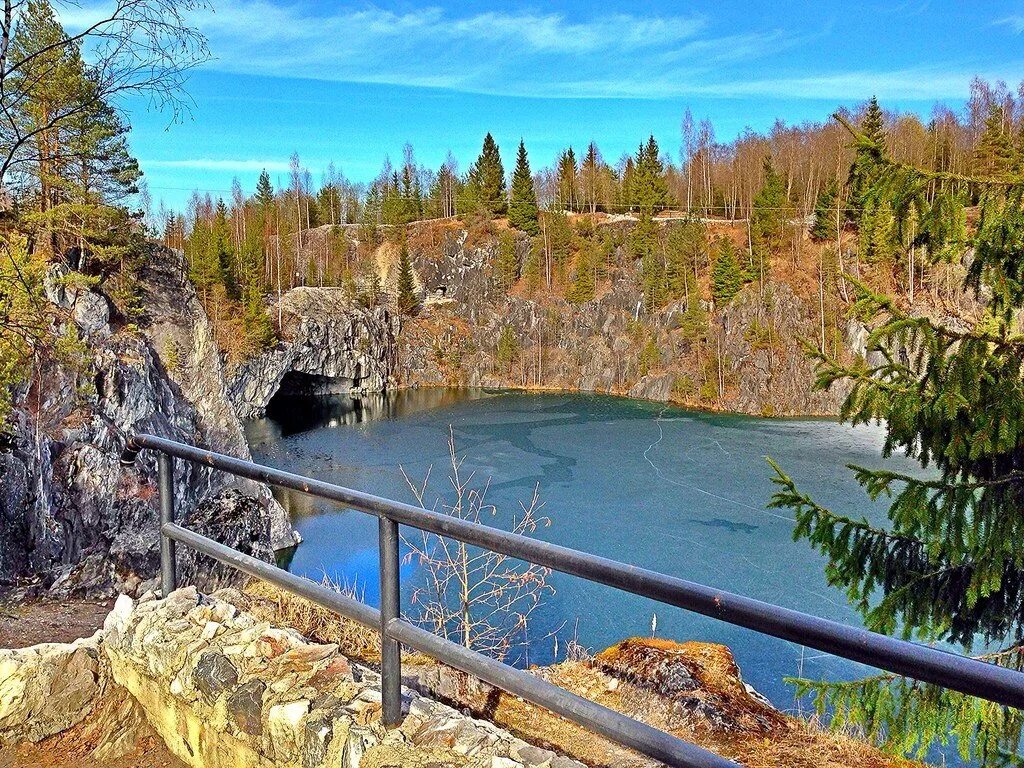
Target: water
(673, 490)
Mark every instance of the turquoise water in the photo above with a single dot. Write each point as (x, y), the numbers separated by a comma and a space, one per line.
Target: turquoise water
(673, 490)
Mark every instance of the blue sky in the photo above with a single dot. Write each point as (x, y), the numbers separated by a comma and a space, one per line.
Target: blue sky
(352, 82)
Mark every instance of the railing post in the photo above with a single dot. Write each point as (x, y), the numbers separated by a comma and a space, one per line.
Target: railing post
(390, 652)
(168, 570)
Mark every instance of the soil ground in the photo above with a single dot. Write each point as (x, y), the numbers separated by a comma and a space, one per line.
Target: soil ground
(50, 621)
(67, 751)
(28, 623)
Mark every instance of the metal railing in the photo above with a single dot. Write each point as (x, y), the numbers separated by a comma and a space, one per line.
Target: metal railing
(931, 665)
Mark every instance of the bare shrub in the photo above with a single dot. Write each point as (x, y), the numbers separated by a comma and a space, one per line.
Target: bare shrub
(480, 599)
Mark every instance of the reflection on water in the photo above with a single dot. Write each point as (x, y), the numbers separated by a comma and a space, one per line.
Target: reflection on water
(680, 492)
(290, 414)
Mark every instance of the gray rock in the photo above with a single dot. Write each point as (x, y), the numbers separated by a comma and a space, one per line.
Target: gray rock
(245, 706)
(85, 524)
(331, 345)
(213, 675)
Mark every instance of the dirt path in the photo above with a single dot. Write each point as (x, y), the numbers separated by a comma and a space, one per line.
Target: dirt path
(24, 624)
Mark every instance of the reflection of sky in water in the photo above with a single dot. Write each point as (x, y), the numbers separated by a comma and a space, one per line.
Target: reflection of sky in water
(678, 492)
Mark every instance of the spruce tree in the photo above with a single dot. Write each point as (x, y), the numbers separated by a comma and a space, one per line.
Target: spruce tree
(506, 265)
(522, 208)
(487, 179)
(684, 244)
(567, 182)
(649, 188)
(264, 191)
(947, 565)
(994, 155)
(582, 286)
(825, 208)
(726, 275)
(507, 349)
(770, 211)
(408, 301)
(870, 154)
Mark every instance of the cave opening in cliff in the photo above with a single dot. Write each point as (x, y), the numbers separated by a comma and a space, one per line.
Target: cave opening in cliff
(304, 400)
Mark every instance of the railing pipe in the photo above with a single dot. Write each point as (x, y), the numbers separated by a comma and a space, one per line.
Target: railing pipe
(168, 564)
(390, 652)
(616, 726)
(930, 665)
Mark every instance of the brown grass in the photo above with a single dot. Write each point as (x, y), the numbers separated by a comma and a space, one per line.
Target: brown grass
(631, 677)
(268, 603)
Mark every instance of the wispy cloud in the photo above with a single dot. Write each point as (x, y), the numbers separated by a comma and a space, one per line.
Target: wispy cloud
(232, 166)
(548, 54)
(1016, 23)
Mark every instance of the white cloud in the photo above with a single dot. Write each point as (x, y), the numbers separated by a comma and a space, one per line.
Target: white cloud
(1016, 23)
(209, 164)
(543, 54)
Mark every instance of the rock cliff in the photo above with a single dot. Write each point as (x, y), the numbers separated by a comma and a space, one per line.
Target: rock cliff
(330, 345)
(610, 344)
(71, 518)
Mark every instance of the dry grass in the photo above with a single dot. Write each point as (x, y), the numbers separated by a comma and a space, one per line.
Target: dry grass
(268, 603)
(634, 677)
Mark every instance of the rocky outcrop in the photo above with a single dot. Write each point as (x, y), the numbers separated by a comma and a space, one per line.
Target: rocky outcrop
(330, 345)
(72, 519)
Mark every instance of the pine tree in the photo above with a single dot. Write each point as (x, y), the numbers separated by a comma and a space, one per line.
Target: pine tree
(649, 189)
(870, 148)
(506, 265)
(994, 155)
(408, 300)
(825, 208)
(487, 179)
(522, 209)
(264, 191)
(947, 566)
(726, 276)
(567, 183)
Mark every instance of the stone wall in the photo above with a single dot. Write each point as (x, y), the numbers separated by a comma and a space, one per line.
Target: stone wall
(223, 690)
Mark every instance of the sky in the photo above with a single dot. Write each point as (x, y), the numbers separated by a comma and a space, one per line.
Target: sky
(353, 82)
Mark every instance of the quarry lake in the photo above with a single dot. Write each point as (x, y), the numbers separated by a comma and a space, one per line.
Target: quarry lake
(676, 491)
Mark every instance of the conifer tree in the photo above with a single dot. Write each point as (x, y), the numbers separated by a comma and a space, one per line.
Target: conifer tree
(522, 208)
(508, 348)
(947, 566)
(726, 275)
(583, 285)
(769, 215)
(870, 155)
(487, 179)
(994, 156)
(506, 265)
(684, 244)
(264, 191)
(408, 300)
(649, 189)
(567, 183)
(592, 179)
(825, 208)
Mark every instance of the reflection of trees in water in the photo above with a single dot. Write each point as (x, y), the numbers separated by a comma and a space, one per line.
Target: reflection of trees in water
(293, 413)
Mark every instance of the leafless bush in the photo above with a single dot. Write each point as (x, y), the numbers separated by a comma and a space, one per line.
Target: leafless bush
(480, 599)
